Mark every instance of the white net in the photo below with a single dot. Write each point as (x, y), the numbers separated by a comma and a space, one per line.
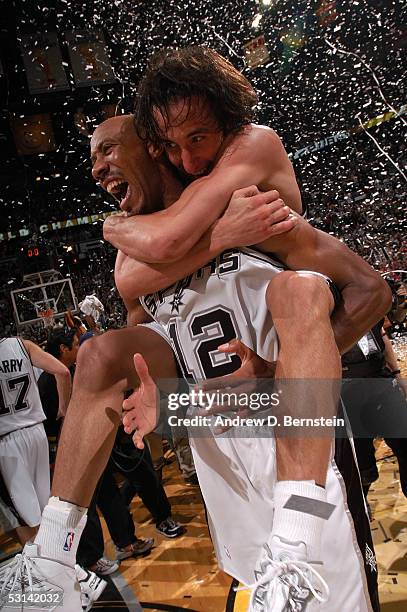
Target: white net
(47, 317)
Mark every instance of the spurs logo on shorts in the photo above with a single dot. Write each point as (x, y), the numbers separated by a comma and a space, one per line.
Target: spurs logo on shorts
(370, 559)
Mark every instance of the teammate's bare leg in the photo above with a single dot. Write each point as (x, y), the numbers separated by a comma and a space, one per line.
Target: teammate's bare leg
(104, 372)
(306, 339)
(309, 387)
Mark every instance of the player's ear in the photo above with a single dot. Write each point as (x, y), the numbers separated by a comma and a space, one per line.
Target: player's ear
(155, 150)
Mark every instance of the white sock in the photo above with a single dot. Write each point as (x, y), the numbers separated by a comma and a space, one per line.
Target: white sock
(305, 515)
(60, 530)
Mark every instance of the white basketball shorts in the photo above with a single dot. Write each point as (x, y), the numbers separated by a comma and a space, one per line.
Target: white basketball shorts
(24, 464)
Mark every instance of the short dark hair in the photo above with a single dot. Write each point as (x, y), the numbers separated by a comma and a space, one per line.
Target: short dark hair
(56, 338)
(193, 71)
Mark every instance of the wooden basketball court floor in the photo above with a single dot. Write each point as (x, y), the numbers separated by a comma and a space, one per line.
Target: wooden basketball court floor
(182, 573)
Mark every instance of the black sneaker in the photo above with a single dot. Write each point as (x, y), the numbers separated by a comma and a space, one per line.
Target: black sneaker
(170, 528)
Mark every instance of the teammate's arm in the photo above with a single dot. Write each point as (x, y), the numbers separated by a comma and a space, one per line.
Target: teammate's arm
(251, 158)
(135, 312)
(250, 217)
(135, 278)
(366, 297)
(50, 364)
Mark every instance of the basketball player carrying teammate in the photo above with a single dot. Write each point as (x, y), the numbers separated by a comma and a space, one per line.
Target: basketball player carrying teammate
(104, 372)
(179, 110)
(111, 364)
(241, 515)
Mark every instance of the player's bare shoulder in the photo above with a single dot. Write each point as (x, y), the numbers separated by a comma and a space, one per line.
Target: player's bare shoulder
(252, 142)
(258, 151)
(265, 139)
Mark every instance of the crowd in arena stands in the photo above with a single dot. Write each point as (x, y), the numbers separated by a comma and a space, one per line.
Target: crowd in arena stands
(366, 206)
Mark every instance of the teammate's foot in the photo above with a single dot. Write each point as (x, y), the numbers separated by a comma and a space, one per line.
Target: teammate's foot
(170, 528)
(138, 548)
(105, 567)
(31, 579)
(285, 580)
(91, 587)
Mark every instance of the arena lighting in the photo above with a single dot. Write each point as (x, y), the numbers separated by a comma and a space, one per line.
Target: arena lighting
(266, 2)
(256, 21)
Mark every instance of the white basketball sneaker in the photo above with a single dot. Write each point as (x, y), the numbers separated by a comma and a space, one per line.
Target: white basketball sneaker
(286, 581)
(31, 582)
(91, 586)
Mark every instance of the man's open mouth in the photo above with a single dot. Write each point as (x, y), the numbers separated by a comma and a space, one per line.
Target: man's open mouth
(118, 189)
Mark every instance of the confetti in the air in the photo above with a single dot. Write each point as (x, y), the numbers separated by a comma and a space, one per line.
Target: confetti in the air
(331, 83)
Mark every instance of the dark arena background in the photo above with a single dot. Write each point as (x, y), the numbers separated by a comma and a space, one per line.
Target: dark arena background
(331, 81)
(331, 78)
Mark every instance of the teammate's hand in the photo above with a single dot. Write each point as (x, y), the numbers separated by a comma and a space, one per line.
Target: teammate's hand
(253, 216)
(142, 407)
(241, 382)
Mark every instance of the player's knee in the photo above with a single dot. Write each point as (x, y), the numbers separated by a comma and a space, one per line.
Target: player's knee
(303, 299)
(96, 360)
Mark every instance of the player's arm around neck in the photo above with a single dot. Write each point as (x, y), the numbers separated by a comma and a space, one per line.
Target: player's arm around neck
(365, 295)
(136, 278)
(167, 236)
(50, 364)
(251, 217)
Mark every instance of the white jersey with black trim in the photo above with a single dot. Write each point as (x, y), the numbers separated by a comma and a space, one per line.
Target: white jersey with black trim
(220, 301)
(20, 404)
(223, 300)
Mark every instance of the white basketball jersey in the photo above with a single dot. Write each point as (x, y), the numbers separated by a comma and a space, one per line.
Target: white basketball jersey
(20, 404)
(225, 299)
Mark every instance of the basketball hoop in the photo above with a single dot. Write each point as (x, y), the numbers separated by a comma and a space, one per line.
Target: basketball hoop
(47, 317)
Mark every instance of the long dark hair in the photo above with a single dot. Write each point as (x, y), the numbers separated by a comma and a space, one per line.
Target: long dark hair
(175, 74)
